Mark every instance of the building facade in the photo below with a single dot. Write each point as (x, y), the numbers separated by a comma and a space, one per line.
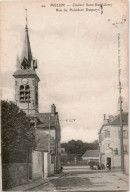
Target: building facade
(126, 148)
(91, 156)
(109, 141)
(47, 139)
(46, 126)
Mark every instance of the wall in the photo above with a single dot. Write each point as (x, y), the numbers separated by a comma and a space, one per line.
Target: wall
(42, 140)
(14, 174)
(126, 149)
(117, 161)
(126, 163)
(16, 166)
(109, 144)
(45, 164)
(52, 169)
(37, 164)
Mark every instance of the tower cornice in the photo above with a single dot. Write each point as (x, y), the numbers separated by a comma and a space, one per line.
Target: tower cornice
(26, 73)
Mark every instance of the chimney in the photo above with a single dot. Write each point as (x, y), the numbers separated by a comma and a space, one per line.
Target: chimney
(53, 109)
(111, 117)
(105, 119)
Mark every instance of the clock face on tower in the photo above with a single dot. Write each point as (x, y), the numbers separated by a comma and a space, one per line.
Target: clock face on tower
(25, 81)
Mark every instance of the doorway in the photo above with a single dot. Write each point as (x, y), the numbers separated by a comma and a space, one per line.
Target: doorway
(109, 162)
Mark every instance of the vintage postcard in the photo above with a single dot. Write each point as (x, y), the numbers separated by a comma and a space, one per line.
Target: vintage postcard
(64, 95)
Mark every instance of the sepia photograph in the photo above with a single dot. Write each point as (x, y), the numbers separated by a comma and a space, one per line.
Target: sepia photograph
(64, 96)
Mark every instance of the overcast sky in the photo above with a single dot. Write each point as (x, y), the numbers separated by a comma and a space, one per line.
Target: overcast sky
(77, 57)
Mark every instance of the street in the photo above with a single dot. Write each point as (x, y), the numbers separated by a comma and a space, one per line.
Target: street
(81, 178)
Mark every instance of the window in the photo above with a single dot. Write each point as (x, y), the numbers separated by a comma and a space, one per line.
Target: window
(27, 87)
(125, 148)
(107, 133)
(116, 151)
(125, 134)
(24, 93)
(21, 87)
(33, 82)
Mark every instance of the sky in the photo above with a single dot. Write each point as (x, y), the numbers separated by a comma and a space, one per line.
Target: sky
(77, 54)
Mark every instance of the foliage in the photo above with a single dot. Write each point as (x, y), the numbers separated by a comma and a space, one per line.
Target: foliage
(79, 147)
(15, 126)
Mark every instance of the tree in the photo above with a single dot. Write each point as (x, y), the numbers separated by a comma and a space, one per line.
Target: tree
(79, 147)
(15, 126)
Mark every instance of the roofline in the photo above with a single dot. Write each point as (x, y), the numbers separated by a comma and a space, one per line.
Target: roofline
(28, 75)
(111, 124)
(46, 127)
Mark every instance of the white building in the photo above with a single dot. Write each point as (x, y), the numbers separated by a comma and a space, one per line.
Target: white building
(109, 141)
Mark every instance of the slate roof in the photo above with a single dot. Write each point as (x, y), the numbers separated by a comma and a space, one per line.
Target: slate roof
(25, 72)
(44, 120)
(91, 153)
(26, 53)
(116, 120)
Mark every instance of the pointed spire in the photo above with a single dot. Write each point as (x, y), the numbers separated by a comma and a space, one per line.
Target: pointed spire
(26, 54)
(26, 19)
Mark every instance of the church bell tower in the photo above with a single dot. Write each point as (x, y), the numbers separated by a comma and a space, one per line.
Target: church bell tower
(26, 79)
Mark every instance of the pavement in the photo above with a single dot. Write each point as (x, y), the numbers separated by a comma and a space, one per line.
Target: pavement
(80, 178)
(35, 183)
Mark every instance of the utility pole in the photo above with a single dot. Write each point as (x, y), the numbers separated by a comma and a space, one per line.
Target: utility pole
(121, 123)
(0, 153)
(49, 147)
(56, 147)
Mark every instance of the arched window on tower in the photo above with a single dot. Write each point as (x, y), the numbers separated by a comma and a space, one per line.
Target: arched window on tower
(21, 87)
(24, 93)
(27, 87)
